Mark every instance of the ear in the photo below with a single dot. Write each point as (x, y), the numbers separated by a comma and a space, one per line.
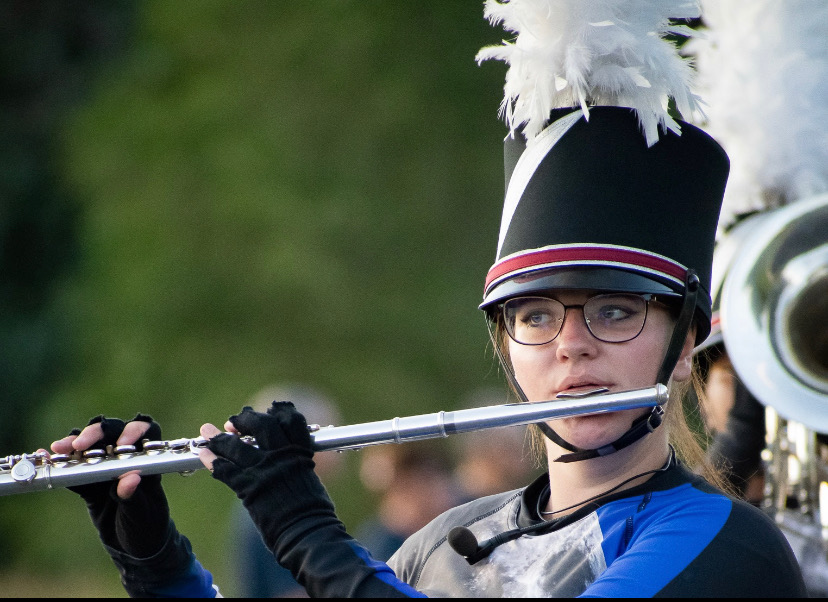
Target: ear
(684, 366)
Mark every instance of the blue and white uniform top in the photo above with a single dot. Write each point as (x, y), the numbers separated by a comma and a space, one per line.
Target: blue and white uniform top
(672, 536)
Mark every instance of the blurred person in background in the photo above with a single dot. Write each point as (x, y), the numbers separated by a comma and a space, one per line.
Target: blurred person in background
(494, 460)
(414, 483)
(736, 420)
(256, 572)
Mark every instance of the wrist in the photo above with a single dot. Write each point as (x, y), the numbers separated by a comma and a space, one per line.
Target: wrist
(172, 563)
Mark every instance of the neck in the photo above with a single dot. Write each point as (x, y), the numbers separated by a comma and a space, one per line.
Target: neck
(575, 482)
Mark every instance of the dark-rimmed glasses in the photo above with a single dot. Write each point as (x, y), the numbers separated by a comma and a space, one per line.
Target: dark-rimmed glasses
(612, 318)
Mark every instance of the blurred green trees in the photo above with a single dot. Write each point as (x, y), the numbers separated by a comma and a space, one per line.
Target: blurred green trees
(263, 192)
(49, 53)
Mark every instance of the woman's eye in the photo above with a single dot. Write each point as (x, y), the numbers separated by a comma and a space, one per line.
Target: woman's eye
(536, 319)
(615, 313)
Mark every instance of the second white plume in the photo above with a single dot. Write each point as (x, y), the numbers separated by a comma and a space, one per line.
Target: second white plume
(763, 70)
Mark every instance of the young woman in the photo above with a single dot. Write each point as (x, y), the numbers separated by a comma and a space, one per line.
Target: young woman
(601, 284)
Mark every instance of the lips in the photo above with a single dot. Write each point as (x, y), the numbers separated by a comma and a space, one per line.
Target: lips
(578, 385)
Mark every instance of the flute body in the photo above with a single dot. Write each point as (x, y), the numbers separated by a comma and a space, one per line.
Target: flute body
(38, 472)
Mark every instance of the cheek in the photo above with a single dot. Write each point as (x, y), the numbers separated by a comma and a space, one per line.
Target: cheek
(641, 359)
(533, 367)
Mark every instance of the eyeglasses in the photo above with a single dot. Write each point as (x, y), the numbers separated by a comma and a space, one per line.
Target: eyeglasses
(612, 318)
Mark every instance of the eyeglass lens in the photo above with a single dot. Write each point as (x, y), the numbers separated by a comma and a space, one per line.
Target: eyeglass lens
(612, 318)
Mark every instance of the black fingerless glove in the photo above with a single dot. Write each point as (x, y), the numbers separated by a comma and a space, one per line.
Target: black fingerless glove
(291, 508)
(138, 533)
(276, 482)
(140, 525)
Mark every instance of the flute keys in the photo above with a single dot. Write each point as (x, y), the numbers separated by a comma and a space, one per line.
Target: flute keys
(125, 451)
(93, 456)
(154, 446)
(24, 471)
(179, 445)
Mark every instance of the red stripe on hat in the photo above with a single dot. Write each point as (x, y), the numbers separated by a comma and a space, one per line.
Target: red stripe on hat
(593, 254)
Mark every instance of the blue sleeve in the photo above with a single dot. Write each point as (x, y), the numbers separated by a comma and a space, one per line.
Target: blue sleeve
(195, 582)
(329, 563)
(173, 572)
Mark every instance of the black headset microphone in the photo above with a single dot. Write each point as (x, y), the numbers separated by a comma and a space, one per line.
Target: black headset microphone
(465, 543)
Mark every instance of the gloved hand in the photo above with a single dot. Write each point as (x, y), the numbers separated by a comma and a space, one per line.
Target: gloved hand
(276, 482)
(133, 518)
(139, 525)
(290, 506)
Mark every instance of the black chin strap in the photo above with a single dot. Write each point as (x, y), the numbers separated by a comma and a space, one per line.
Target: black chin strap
(688, 307)
(644, 425)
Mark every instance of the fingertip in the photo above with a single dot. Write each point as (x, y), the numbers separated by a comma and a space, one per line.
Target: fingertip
(63, 446)
(231, 428)
(132, 432)
(88, 437)
(127, 484)
(208, 430)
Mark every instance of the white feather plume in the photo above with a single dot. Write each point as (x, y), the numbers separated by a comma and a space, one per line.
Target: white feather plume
(592, 52)
(763, 70)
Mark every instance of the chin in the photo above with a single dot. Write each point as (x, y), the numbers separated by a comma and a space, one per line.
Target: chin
(592, 432)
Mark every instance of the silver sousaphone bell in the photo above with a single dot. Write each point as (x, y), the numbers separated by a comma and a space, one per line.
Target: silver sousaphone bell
(770, 282)
(774, 308)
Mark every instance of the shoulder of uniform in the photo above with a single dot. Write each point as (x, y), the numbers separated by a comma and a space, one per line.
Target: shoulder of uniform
(417, 549)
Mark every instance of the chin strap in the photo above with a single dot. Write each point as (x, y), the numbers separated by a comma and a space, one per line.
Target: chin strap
(643, 425)
(685, 319)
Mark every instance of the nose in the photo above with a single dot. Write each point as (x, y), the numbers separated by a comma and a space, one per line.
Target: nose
(575, 339)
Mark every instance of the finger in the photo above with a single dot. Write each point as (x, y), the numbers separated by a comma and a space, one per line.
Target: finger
(265, 428)
(292, 424)
(133, 432)
(154, 429)
(208, 431)
(207, 458)
(128, 483)
(88, 437)
(231, 428)
(232, 448)
(64, 446)
(295, 426)
(245, 421)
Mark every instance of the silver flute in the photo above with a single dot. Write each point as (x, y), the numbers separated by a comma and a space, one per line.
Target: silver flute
(40, 470)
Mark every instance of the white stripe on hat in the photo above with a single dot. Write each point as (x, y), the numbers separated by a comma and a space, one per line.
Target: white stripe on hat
(536, 151)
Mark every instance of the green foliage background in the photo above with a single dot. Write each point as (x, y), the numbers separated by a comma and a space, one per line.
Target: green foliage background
(266, 192)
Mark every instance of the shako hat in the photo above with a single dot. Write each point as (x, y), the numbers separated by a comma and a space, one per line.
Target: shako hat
(604, 189)
(589, 205)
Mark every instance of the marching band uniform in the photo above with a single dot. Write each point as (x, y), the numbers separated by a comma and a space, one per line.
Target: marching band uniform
(674, 536)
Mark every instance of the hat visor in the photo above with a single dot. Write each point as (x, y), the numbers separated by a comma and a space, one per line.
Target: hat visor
(611, 280)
